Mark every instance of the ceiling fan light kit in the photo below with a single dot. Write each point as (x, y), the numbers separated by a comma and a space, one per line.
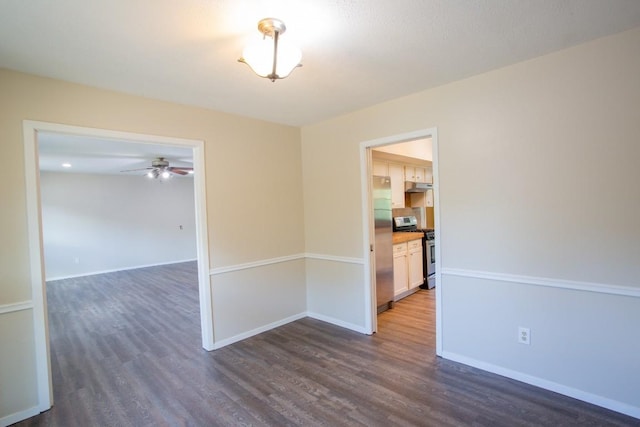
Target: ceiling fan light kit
(155, 174)
(268, 56)
(160, 168)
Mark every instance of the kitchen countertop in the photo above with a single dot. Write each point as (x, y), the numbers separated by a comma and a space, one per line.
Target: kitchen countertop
(404, 236)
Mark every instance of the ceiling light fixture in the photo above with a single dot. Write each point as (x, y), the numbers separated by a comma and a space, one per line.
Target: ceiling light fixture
(156, 173)
(268, 56)
(66, 165)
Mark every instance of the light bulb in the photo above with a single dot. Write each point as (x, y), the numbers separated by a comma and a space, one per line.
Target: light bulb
(166, 174)
(259, 56)
(259, 52)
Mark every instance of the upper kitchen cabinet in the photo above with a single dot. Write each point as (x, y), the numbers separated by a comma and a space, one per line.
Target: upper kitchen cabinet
(380, 168)
(416, 174)
(396, 173)
(402, 168)
(428, 175)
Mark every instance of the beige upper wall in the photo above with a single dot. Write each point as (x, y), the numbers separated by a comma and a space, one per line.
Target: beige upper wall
(538, 166)
(253, 169)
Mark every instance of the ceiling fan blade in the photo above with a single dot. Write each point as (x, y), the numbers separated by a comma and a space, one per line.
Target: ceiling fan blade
(137, 170)
(180, 171)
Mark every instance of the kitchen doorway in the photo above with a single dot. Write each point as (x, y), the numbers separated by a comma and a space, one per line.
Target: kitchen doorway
(367, 170)
(31, 131)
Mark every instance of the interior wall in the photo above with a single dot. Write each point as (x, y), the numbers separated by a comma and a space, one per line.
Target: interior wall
(537, 173)
(253, 181)
(99, 223)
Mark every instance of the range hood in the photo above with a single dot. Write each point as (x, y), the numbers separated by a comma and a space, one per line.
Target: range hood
(417, 187)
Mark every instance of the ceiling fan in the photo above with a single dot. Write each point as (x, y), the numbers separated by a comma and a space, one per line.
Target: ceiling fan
(160, 169)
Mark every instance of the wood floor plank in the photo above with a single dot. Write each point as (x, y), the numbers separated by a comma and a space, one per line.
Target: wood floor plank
(126, 351)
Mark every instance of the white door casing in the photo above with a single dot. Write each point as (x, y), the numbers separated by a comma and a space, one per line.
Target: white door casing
(366, 169)
(36, 254)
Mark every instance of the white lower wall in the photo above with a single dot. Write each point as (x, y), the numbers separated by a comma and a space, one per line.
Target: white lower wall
(99, 223)
(580, 339)
(247, 301)
(332, 288)
(16, 351)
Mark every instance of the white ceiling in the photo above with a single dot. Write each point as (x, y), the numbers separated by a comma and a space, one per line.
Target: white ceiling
(355, 53)
(104, 156)
(417, 149)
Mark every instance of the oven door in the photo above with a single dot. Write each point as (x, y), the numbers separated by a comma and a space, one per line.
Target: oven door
(431, 257)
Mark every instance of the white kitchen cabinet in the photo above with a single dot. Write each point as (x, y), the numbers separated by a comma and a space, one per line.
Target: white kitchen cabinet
(415, 174)
(380, 168)
(399, 173)
(429, 198)
(396, 173)
(407, 267)
(428, 175)
(414, 262)
(400, 269)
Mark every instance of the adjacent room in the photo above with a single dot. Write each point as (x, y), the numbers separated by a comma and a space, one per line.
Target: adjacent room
(113, 205)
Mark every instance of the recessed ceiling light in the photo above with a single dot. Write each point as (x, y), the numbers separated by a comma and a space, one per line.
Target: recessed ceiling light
(66, 165)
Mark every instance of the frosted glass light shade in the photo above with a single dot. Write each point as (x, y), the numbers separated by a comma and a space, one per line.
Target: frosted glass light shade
(258, 55)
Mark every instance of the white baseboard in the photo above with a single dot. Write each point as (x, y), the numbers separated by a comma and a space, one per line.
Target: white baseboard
(594, 399)
(338, 322)
(19, 416)
(93, 273)
(225, 342)
(236, 338)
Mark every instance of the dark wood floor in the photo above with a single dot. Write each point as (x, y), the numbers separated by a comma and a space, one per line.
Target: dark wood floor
(126, 352)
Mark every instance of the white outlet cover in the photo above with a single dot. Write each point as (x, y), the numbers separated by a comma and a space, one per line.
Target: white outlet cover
(524, 335)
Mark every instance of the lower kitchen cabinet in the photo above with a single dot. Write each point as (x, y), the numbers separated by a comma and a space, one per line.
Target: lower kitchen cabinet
(407, 267)
(416, 274)
(400, 269)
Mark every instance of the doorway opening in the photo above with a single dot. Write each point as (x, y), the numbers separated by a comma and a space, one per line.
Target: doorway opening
(385, 149)
(32, 131)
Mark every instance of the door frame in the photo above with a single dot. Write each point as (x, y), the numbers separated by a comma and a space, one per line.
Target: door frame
(366, 168)
(36, 252)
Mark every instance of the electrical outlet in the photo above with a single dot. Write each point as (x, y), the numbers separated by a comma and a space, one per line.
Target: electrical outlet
(524, 335)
